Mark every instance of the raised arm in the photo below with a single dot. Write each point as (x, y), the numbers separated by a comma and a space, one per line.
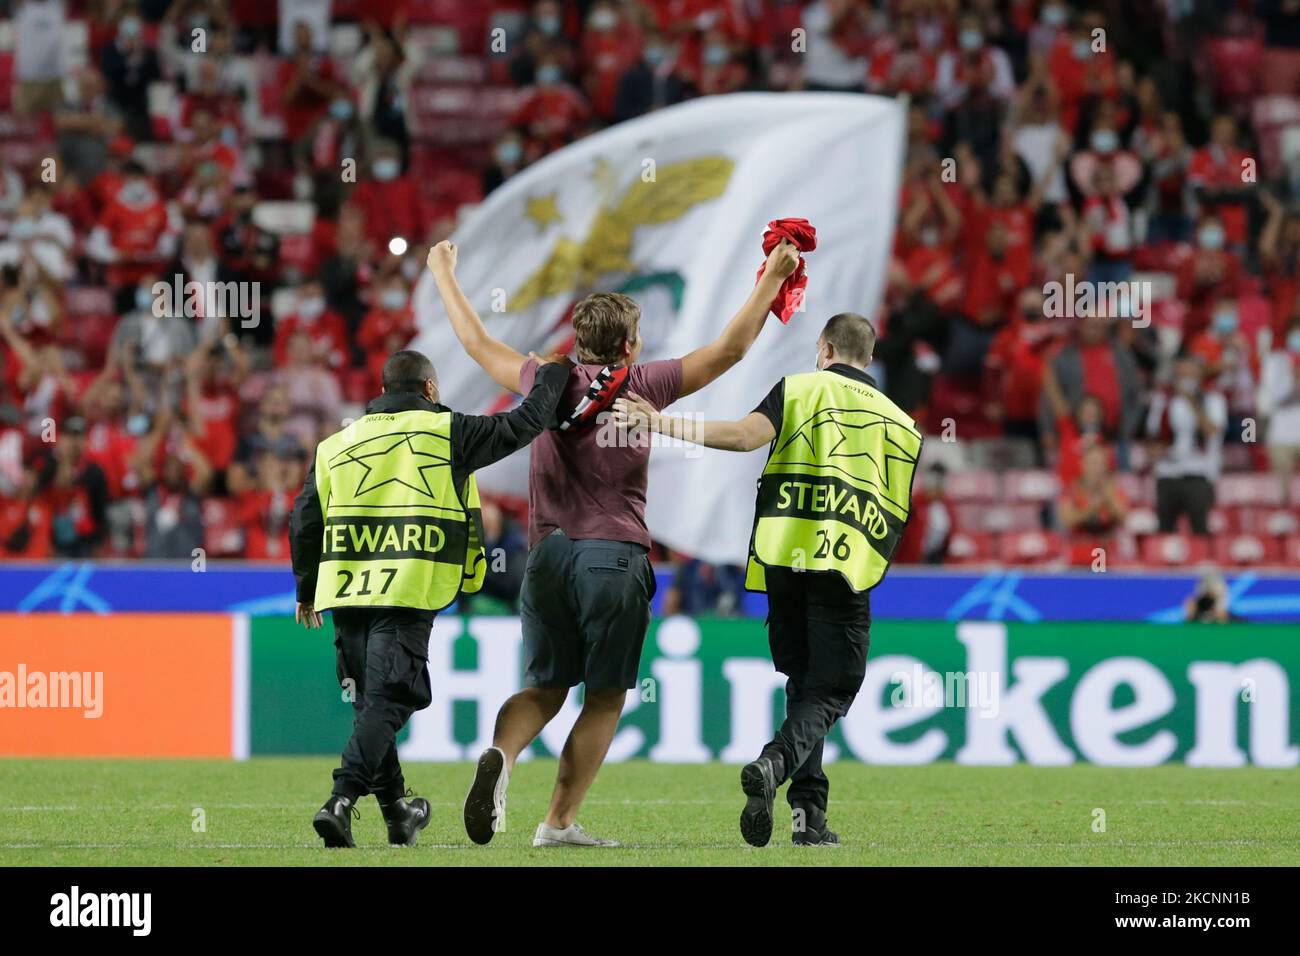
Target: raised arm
(753, 431)
(705, 364)
(495, 357)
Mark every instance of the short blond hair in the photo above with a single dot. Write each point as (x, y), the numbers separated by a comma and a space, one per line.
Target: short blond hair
(602, 323)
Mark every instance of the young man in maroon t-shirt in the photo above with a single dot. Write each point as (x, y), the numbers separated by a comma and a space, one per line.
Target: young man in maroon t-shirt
(585, 602)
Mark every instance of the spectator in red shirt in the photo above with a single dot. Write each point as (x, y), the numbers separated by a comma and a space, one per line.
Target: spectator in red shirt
(1082, 65)
(544, 38)
(1096, 364)
(1209, 274)
(133, 237)
(1092, 507)
(1014, 366)
(899, 64)
(308, 84)
(1108, 227)
(388, 327)
(391, 200)
(325, 327)
(610, 45)
(213, 377)
(1217, 175)
(264, 509)
(25, 521)
(553, 113)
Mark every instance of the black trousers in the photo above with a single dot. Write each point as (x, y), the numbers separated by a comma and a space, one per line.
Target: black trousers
(383, 652)
(1191, 495)
(819, 631)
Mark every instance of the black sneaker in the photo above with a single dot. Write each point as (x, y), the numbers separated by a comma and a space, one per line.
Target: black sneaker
(823, 837)
(758, 781)
(405, 819)
(485, 805)
(334, 822)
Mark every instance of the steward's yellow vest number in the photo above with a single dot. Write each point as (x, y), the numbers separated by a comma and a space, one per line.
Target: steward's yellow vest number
(837, 488)
(398, 533)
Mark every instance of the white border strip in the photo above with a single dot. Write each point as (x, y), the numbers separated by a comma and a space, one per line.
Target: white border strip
(240, 694)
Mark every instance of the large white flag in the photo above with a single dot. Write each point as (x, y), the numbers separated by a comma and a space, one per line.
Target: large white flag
(670, 209)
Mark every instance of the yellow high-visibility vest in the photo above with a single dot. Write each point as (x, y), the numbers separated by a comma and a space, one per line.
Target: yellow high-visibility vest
(398, 533)
(837, 488)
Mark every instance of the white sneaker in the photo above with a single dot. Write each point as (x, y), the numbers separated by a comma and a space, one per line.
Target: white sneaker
(572, 835)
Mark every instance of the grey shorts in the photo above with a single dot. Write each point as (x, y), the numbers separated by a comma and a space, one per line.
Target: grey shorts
(585, 608)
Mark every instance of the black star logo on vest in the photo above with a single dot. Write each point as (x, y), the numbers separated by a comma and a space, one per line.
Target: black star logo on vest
(403, 457)
(826, 433)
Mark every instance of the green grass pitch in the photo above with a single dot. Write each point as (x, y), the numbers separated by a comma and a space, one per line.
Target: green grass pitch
(142, 813)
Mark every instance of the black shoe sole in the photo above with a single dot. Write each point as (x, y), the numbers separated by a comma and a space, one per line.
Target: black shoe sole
(756, 818)
(335, 835)
(480, 803)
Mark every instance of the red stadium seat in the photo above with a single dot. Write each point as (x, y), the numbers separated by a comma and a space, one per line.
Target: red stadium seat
(1137, 489)
(1141, 521)
(1267, 521)
(1031, 547)
(1174, 550)
(1013, 518)
(223, 535)
(1248, 490)
(971, 485)
(967, 548)
(1032, 486)
(1247, 550)
(1291, 551)
(1278, 70)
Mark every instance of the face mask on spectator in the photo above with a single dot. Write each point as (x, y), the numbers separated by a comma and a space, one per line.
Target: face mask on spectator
(302, 187)
(136, 194)
(410, 268)
(715, 54)
(1105, 141)
(1210, 237)
(310, 309)
(655, 54)
(129, 27)
(1293, 341)
(549, 75)
(137, 424)
(1081, 49)
(603, 19)
(510, 153)
(930, 236)
(1053, 16)
(393, 299)
(144, 299)
(1225, 321)
(971, 40)
(549, 24)
(341, 110)
(386, 169)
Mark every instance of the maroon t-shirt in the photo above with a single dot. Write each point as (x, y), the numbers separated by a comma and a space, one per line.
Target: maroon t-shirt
(586, 485)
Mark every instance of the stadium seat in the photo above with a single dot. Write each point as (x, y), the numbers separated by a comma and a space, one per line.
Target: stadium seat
(970, 548)
(1174, 550)
(1030, 547)
(1031, 486)
(1141, 521)
(971, 486)
(1249, 490)
(1137, 489)
(223, 536)
(1291, 551)
(1013, 518)
(1246, 550)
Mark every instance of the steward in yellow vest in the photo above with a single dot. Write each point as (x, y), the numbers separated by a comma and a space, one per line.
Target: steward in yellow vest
(832, 503)
(386, 533)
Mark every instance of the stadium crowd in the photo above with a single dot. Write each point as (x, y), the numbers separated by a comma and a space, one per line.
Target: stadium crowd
(1153, 146)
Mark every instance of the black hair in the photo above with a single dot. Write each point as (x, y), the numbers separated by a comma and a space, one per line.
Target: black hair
(407, 371)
